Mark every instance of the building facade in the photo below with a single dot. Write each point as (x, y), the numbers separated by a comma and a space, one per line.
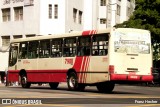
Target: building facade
(101, 14)
(28, 18)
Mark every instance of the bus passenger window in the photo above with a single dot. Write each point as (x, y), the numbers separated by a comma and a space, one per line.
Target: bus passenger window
(13, 55)
(33, 49)
(44, 49)
(83, 48)
(100, 44)
(56, 48)
(69, 49)
(23, 50)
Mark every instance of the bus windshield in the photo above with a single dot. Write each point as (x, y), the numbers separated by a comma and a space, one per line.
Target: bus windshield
(132, 42)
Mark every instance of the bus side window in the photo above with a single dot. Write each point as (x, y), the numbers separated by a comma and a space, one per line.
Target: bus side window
(69, 47)
(83, 48)
(44, 49)
(100, 45)
(33, 49)
(23, 50)
(56, 48)
(13, 55)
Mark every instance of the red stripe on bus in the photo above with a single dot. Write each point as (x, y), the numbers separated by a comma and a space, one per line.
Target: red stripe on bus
(41, 71)
(77, 66)
(77, 63)
(89, 32)
(87, 69)
(85, 33)
(83, 69)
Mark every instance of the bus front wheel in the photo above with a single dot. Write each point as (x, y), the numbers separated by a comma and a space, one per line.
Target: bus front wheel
(24, 82)
(105, 87)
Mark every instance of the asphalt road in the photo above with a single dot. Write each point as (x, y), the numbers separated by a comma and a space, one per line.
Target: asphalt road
(122, 96)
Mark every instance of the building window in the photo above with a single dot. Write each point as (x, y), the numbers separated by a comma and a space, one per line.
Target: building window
(5, 41)
(74, 14)
(6, 15)
(103, 3)
(80, 17)
(103, 21)
(50, 11)
(56, 11)
(118, 9)
(18, 13)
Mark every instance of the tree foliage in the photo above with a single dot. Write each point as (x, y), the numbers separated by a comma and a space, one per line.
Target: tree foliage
(146, 16)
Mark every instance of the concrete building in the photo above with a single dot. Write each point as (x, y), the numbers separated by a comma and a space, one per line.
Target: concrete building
(27, 18)
(101, 14)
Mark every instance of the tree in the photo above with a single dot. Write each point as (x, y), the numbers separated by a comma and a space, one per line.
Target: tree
(146, 16)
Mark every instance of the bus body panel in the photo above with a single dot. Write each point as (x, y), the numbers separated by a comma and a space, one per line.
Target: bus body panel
(99, 69)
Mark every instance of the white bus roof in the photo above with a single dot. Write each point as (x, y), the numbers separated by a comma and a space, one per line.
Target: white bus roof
(76, 33)
(72, 34)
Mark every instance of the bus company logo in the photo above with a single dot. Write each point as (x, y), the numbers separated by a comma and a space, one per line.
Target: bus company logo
(26, 62)
(6, 101)
(69, 61)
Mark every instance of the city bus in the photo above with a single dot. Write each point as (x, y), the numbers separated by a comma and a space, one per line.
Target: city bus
(100, 58)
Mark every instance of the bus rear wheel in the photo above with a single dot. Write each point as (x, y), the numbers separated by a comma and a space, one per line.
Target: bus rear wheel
(24, 82)
(53, 85)
(72, 82)
(105, 87)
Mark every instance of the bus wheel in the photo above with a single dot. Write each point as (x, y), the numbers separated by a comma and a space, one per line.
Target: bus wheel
(54, 85)
(24, 82)
(72, 81)
(105, 87)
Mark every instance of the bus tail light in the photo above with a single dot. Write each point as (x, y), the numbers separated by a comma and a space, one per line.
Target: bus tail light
(111, 69)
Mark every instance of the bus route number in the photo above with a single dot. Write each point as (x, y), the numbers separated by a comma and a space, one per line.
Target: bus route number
(69, 61)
